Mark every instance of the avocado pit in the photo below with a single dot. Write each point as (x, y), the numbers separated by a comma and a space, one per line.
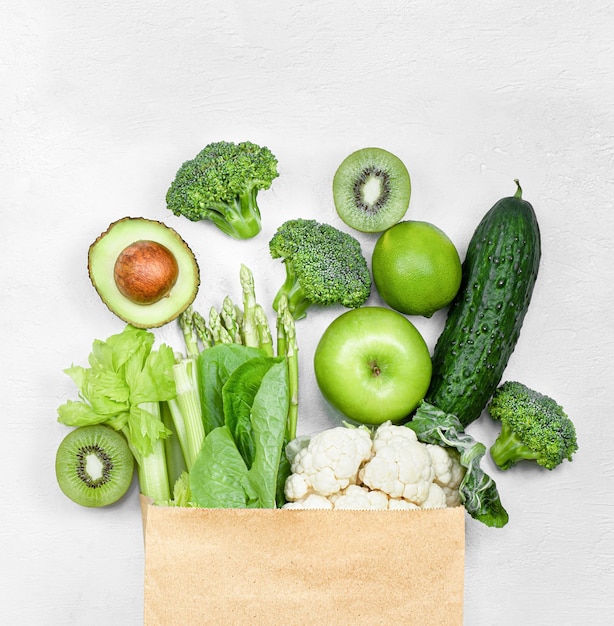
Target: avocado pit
(145, 272)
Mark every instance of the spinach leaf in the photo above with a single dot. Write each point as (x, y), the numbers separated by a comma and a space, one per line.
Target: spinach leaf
(269, 412)
(215, 365)
(255, 406)
(218, 475)
(238, 396)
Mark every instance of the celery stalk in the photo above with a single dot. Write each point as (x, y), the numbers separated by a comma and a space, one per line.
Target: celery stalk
(175, 460)
(186, 410)
(151, 468)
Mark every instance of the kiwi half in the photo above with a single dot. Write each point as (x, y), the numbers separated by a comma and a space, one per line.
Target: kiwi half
(94, 466)
(371, 190)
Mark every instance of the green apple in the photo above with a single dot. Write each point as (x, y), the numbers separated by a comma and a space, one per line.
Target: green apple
(372, 365)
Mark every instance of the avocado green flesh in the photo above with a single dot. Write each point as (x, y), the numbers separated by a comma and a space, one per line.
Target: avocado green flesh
(101, 263)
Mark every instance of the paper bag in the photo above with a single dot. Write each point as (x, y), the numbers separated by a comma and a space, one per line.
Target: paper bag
(297, 567)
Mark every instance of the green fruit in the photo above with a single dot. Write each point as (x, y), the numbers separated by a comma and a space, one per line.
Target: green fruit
(371, 190)
(416, 268)
(143, 271)
(94, 466)
(372, 365)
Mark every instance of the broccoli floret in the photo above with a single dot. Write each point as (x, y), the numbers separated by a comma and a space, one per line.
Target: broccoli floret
(324, 266)
(533, 428)
(221, 184)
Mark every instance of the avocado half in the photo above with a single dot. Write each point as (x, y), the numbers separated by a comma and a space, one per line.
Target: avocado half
(136, 233)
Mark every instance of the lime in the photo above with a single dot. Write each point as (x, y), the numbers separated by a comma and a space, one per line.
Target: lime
(416, 268)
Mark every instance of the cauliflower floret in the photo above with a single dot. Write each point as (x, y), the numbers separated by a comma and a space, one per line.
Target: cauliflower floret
(401, 465)
(448, 470)
(452, 496)
(449, 473)
(436, 498)
(329, 463)
(357, 497)
(312, 501)
(400, 504)
(296, 487)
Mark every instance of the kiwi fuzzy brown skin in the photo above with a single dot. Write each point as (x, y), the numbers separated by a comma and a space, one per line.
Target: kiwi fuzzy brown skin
(371, 190)
(134, 302)
(94, 466)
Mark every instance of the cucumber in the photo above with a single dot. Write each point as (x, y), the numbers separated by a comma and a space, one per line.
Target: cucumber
(485, 318)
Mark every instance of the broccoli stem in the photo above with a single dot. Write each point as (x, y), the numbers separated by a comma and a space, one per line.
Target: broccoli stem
(508, 449)
(291, 289)
(239, 218)
(152, 468)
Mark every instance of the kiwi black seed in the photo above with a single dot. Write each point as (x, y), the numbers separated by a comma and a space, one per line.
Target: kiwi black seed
(371, 190)
(94, 465)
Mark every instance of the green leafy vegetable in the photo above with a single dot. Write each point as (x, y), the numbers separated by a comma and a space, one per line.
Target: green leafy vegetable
(215, 365)
(218, 477)
(239, 462)
(478, 491)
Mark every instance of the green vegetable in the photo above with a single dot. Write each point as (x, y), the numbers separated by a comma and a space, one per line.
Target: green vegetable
(324, 266)
(533, 428)
(485, 319)
(478, 491)
(240, 459)
(249, 324)
(238, 397)
(287, 346)
(186, 410)
(175, 459)
(122, 388)
(234, 345)
(218, 478)
(221, 184)
(215, 366)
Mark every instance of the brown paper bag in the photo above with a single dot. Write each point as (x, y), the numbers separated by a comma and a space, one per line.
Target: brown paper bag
(292, 567)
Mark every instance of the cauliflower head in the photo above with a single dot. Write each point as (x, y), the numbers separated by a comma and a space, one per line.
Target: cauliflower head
(390, 469)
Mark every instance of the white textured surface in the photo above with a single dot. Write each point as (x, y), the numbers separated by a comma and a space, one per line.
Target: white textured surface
(100, 104)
